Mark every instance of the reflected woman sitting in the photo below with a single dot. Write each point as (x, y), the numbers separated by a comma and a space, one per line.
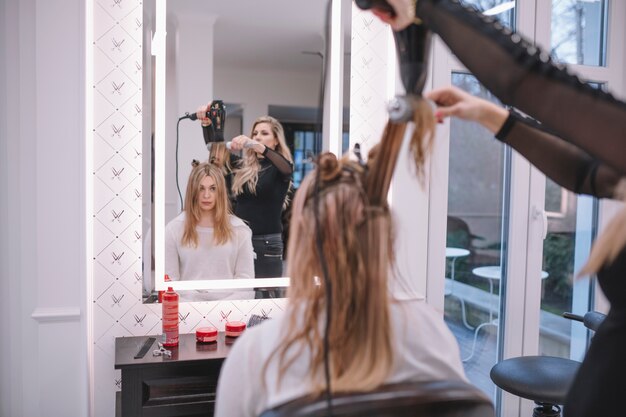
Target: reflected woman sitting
(206, 241)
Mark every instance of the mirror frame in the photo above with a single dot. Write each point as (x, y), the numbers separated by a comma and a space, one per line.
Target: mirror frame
(333, 106)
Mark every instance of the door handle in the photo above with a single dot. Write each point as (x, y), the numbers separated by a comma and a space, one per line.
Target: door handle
(540, 214)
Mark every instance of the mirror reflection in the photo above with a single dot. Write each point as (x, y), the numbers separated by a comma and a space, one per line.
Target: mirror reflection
(239, 53)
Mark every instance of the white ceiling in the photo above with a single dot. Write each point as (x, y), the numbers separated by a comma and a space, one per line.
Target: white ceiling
(266, 34)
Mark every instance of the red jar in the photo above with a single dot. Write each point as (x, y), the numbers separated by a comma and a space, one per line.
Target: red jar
(206, 335)
(235, 328)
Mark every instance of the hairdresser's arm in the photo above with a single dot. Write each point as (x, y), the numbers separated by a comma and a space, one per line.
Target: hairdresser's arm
(280, 162)
(524, 77)
(567, 165)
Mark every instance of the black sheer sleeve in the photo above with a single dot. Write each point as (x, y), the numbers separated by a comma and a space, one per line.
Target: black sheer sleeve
(283, 165)
(566, 164)
(523, 76)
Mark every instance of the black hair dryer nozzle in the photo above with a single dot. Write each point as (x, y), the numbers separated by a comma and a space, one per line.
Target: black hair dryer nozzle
(413, 48)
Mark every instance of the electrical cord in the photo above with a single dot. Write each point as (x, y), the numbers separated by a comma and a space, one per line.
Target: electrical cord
(176, 164)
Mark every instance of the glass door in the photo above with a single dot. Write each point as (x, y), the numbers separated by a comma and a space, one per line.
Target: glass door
(477, 190)
(477, 227)
(514, 240)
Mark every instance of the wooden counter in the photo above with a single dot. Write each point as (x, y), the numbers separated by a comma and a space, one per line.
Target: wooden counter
(183, 385)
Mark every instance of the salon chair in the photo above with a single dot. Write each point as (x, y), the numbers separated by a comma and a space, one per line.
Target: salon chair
(413, 399)
(542, 379)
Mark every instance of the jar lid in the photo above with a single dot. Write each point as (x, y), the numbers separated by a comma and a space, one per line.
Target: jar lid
(235, 326)
(206, 331)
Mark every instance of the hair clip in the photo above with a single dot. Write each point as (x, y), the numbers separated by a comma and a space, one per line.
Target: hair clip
(357, 152)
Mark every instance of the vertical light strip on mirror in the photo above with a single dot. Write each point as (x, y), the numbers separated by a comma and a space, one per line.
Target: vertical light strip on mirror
(89, 201)
(393, 78)
(335, 79)
(158, 222)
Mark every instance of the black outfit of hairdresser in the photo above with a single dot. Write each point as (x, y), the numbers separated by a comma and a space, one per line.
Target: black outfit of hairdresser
(591, 126)
(262, 207)
(262, 211)
(600, 379)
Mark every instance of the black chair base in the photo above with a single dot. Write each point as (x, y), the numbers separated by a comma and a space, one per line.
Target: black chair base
(546, 410)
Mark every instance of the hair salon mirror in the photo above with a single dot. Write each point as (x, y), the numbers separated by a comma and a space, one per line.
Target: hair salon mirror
(254, 60)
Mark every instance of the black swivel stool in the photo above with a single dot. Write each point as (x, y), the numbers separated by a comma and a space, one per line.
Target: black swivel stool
(542, 379)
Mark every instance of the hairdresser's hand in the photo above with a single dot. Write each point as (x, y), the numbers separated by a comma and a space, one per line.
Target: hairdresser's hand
(404, 14)
(452, 101)
(243, 142)
(201, 113)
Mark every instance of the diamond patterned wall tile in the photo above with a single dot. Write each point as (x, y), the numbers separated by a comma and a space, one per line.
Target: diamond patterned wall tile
(103, 196)
(369, 74)
(133, 112)
(132, 195)
(103, 149)
(117, 216)
(366, 28)
(132, 157)
(103, 65)
(119, 10)
(224, 312)
(103, 323)
(116, 88)
(118, 46)
(107, 237)
(132, 279)
(104, 20)
(133, 24)
(103, 279)
(189, 318)
(141, 321)
(117, 301)
(116, 130)
(107, 382)
(118, 310)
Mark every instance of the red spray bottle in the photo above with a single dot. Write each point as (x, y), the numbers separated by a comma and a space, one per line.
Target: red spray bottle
(170, 318)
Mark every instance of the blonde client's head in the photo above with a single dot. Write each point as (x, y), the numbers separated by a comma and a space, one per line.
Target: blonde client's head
(355, 231)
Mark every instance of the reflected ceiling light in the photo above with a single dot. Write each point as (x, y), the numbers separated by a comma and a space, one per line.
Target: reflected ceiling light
(500, 8)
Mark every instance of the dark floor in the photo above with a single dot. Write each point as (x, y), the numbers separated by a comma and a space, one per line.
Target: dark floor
(478, 367)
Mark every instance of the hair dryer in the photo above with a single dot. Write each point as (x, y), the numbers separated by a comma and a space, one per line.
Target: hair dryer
(413, 48)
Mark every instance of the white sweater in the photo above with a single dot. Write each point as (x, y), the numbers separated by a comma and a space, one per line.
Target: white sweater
(424, 349)
(233, 259)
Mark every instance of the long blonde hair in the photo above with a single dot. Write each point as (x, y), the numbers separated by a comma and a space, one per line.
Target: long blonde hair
(222, 229)
(219, 156)
(357, 243)
(611, 242)
(247, 173)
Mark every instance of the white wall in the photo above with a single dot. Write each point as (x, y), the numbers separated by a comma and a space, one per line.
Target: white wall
(42, 212)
